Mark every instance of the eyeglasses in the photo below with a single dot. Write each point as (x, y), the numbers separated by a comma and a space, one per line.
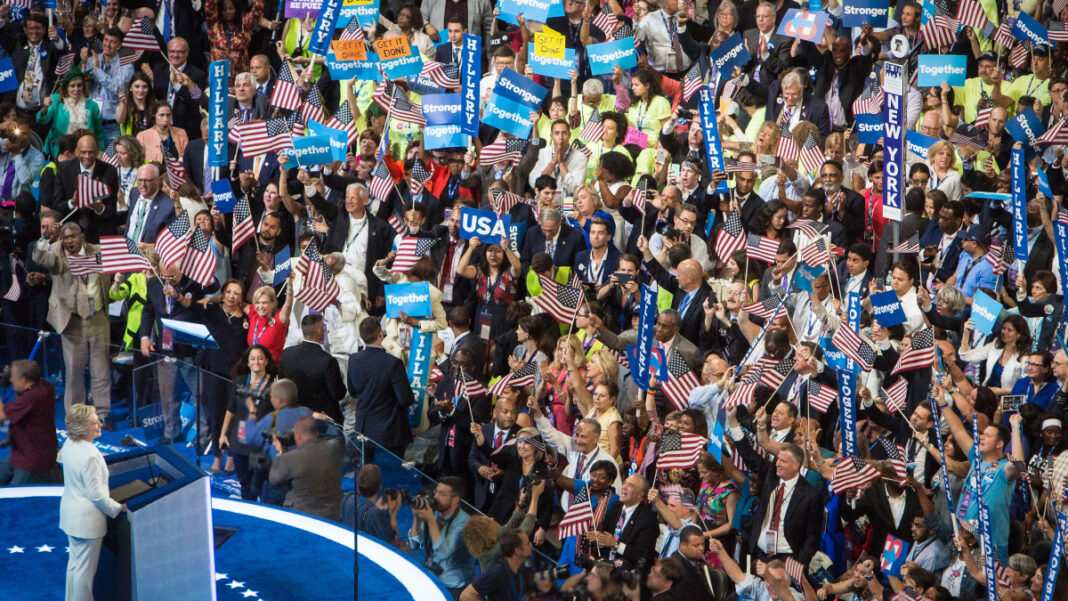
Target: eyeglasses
(456, 161)
(1029, 364)
(145, 180)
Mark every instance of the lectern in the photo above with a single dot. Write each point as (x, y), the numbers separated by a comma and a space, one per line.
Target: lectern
(162, 546)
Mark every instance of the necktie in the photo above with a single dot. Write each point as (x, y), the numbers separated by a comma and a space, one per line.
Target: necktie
(776, 511)
(761, 47)
(165, 9)
(667, 544)
(676, 46)
(550, 247)
(787, 114)
(139, 224)
(498, 439)
(686, 304)
(446, 267)
(9, 181)
(578, 467)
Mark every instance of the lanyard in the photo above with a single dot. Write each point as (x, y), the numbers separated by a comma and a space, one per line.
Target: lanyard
(1034, 78)
(258, 332)
(638, 122)
(352, 240)
(671, 31)
(595, 273)
(452, 186)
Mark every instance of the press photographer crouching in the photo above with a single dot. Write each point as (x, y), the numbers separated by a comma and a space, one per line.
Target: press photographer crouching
(509, 579)
(275, 426)
(33, 427)
(601, 581)
(437, 529)
(376, 510)
(310, 471)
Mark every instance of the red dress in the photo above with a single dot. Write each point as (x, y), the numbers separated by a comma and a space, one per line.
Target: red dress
(270, 333)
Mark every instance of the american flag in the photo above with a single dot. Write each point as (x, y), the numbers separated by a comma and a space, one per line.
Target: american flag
(681, 380)
(86, 265)
(381, 182)
(786, 148)
(244, 228)
(679, 450)
(854, 347)
(910, 246)
(811, 229)
(1001, 575)
(405, 110)
(286, 94)
(773, 373)
(765, 307)
(1003, 34)
(1019, 54)
(970, 13)
(119, 254)
(692, 82)
(895, 453)
(352, 31)
(419, 177)
(918, 354)
(870, 101)
(409, 251)
(637, 196)
(1056, 135)
(557, 300)
(312, 109)
(578, 519)
(199, 262)
(524, 376)
(811, 156)
(142, 36)
(761, 248)
(795, 569)
(963, 140)
(730, 238)
(64, 63)
(130, 58)
(624, 31)
(109, 156)
(851, 472)
(175, 171)
(396, 222)
(319, 289)
(1000, 256)
(172, 240)
(1057, 31)
(468, 387)
(89, 191)
(503, 150)
(982, 118)
(741, 167)
(14, 292)
(938, 32)
(1062, 215)
(342, 119)
(894, 397)
(593, 130)
(583, 148)
(263, 136)
(907, 594)
(606, 20)
(440, 75)
(821, 397)
(502, 200)
(815, 253)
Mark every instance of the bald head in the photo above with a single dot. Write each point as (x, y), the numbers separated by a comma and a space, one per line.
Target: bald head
(86, 151)
(691, 275)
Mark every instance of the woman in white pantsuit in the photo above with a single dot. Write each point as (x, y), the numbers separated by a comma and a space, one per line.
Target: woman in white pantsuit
(86, 500)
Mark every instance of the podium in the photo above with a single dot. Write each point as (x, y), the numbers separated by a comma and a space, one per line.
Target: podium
(162, 546)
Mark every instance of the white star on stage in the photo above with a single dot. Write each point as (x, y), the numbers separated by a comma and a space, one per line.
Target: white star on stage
(219, 576)
(249, 593)
(236, 584)
(45, 549)
(15, 549)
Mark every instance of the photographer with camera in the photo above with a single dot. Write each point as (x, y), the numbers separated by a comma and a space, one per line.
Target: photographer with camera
(376, 510)
(309, 472)
(437, 528)
(33, 427)
(600, 581)
(508, 580)
(252, 377)
(272, 432)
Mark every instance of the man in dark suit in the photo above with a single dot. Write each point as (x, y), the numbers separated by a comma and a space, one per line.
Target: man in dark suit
(97, 219)
(939, 256)
(32, 44)
(454, 410)
(853, 273)
(356, 229)
(150, 209)
(185, 22)
(690, 291)
(789, 98)
(195, 161)
(910, 224)
(838, 66)
(635, 523)
(449, 54)
(554, 237)
(264, 78)
(789, 516)
(596, 264)
(500, 431)
(691, 554)
(314, 370)
(844, 206)
(380, 384)
(875, 505)
(459, 319)
(182, 86)
(770, 51)
(246, 105)
(813, 206)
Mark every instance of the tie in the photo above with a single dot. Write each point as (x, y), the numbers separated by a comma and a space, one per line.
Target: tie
(497, 440)
(550, 247)
(579, 466)
(207, 172)
(667, 544)
(140, 223)
(685, 304)
(455, 55)
(260, 90)
(676, 46)
(9, 181)
(761, 48)
(780, 492)
(787, 114)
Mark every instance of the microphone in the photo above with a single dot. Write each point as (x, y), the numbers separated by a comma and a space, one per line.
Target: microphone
(154, 481)
(130, 441)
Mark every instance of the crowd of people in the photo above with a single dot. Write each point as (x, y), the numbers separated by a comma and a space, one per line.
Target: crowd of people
(692, 369)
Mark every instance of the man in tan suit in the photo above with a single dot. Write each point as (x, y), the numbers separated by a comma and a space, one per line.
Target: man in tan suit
(77, 309)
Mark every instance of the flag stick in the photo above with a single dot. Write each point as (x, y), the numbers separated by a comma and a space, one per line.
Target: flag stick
(68, 215)
(470, 410)
(578, 305)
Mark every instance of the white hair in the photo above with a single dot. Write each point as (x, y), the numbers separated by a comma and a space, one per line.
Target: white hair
(246, 75)
(79, 419)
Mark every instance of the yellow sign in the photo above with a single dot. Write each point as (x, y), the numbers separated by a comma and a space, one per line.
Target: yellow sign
(349, 50)
(356, 2)
(391, 48)
(549, 44)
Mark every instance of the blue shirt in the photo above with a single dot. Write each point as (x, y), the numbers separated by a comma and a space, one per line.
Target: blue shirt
(110, 77)
(1041, 395)
(969, 278)
(287, 416)
(997, 493)
(450, 552)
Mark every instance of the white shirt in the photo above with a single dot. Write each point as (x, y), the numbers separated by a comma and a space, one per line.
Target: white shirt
(781, 545)
(356, 243)
(897, 506)
(575, 164)
(654, 31)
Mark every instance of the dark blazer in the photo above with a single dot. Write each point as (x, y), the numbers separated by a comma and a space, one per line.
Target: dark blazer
(379, 383)
(910, 224)
(932, 237)
(777, 55)
(379, 243)
(693, 581)
(477, 346)
(610, 263)
(193, 163)
(462, 288)
(156, 308)
(443, 54)
(694, 319)
(639, 535)
(20, 58)
(269, 170)
(187, 24)
(259, 106)
(812, 109)
(568, 243)
(843, 280)
(186, 110)
(317, 375)
(160, 211)
(477, 458)
(853, 219)
(803, 522)
(851, 78)
(66, 184)
(874, 504)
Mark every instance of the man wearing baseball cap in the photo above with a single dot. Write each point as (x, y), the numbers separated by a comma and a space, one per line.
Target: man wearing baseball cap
(984, 91)
(1036, 84)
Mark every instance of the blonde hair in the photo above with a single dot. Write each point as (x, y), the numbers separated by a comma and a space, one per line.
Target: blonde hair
(773, 138)
(938, 147)
(595, 197)
(480, 534)
(79, 419)
(607, 363)
(262, 290)
(576, 348)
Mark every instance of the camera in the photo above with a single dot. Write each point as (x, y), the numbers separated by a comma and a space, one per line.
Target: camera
(258, 395)
(419, 501)
(669, 232)
(284, 436)
(5, 377)
(650, 194)
(684, 113)
(579, 593)
(393, 493)
(433, 567)
(557, 573)
(631, 578)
